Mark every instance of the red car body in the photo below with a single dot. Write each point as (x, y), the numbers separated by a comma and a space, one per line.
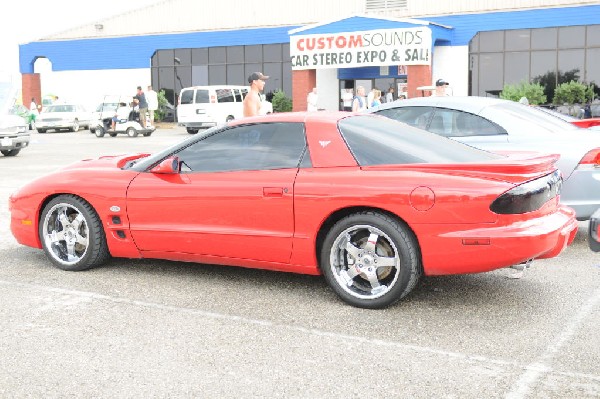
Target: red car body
(586, 123)
(278, 219)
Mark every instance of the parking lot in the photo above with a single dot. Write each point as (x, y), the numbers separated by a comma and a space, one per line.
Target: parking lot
(148, 328)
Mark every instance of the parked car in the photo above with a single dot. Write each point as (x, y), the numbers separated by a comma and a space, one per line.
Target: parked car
(58, 117)
(201, 107)
(14, 135)
(362, 199)
(499, 125)
(585, 123)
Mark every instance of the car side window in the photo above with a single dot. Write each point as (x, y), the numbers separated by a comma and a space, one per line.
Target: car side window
(225, 96)
(413, 116)
(238, 96)
(249, 147)
(453, 123)
(186, 97)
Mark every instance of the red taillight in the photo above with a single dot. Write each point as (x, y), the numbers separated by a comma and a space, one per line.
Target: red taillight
(591, 158)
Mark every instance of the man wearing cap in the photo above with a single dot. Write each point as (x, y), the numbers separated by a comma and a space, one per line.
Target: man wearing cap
(440, 88)
(253, 101)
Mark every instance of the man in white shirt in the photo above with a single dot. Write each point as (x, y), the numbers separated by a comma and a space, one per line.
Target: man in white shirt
(311, 100)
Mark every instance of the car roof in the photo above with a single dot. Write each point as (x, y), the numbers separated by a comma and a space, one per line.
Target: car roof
(293, 117)
(472, 104)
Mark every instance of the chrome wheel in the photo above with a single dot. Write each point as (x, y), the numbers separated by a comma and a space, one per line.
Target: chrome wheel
(66, 234)
(131, 132)
(370, 259)
(75, 126)
(71, 234)
(365, 262)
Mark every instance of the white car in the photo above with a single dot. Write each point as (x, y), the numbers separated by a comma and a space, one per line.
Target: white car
(13, 129)
(58, 117)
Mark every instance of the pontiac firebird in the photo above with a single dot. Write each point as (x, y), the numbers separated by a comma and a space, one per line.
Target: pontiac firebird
(370, 203)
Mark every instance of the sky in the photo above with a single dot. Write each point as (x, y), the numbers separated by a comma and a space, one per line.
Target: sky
(24, 22)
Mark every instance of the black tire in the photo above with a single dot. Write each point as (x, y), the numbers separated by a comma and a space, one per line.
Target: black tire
(41, 130)
(112, 134)
(99, 131)
(371, 260)
(75, 126)
(229, 118)
(11, 153)
(72, 235)
(92, 130)
(147, 134)
(131, 132)
(191, 131)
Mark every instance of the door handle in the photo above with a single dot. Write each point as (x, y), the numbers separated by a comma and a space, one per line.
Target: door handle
(273, 191)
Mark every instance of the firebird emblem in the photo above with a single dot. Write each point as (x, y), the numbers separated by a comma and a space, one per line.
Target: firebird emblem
(324, 143)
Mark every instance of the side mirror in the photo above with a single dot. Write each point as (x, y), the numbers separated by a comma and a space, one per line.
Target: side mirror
(168, 166)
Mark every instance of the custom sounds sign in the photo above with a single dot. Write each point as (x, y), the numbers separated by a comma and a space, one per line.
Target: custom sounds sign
(410, 46)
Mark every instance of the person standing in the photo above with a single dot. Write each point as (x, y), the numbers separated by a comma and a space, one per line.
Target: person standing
(376, 99)
(152, 99)
(142, 104)
(347, 99)
(370, 97)
(253, 100)
(440, 88)
(359, 102)
(389, 97)
(311, 100)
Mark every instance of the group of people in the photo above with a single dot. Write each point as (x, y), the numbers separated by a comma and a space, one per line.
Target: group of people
(360, 101)
(142, 103)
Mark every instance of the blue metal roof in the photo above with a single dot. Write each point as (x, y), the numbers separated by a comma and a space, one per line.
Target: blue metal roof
(466, 26)
(135, 51)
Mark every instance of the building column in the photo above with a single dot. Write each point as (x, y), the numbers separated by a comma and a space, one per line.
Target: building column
(31, 87)
(302, 83)
(418, 75)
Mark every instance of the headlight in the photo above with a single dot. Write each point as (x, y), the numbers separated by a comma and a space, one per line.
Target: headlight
(21, 129)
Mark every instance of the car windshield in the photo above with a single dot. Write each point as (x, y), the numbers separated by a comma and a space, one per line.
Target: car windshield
(60, 108)
(377, 140)
(536, 118)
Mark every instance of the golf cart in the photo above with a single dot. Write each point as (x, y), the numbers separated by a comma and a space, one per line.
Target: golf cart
(126, 120)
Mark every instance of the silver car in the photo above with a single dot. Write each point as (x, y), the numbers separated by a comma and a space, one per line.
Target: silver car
(499, 125)
(57, 117)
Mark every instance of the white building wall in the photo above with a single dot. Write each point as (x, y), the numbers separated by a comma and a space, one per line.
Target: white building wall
(88, 88)
(451, 63)
(328, 89)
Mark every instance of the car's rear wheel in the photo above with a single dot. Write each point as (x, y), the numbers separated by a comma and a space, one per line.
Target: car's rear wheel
(112, 134)
(41, 130)
(371, 260)
(71, 234)
(229, 118)
(147, 134)
(11, 153)
(75, 126)
(131, 132)
(191, 131)
(99, 131)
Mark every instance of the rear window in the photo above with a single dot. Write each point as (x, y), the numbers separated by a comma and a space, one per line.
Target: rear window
(375, 140)
(202, 97)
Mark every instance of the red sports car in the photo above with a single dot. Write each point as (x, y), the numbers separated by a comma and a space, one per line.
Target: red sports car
(371, 203)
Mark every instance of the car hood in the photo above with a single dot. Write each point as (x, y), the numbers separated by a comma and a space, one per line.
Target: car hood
(105, 162)
(7, 121)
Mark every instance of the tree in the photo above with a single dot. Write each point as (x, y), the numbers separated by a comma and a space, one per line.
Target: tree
(534, 92)
(281, 102)
(573, 92)
(162, 104)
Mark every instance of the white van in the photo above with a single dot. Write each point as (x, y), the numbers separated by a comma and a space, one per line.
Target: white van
(201, 107)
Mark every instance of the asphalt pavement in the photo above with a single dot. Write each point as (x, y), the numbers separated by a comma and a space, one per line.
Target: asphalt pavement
(159, 329)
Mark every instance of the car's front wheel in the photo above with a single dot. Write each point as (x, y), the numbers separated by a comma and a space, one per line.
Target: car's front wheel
(74, 126)
(371, 260)
(191, 131)
(99, 131)
(11, 153)
(72, 235)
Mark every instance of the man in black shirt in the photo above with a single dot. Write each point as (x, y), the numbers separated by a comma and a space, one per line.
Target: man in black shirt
(143, 105)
